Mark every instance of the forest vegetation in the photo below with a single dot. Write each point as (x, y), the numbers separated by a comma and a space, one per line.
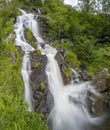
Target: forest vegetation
(84, 34)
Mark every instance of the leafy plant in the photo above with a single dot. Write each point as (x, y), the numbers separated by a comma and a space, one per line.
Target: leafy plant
(71, 59)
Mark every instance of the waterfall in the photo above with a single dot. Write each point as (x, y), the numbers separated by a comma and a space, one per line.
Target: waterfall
(26, 68)
(70, 108)
(53, 72)
(27, 21)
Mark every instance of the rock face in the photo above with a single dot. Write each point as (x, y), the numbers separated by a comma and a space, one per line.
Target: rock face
(62, 64)
(42, 98)
(101, 82)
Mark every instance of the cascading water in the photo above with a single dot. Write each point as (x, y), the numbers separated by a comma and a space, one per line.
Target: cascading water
(26, 68)
(70, 108)
(75, 78)
(27, 21)
(53, 72)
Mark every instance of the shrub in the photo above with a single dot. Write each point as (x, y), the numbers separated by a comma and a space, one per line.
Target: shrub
(71, 59)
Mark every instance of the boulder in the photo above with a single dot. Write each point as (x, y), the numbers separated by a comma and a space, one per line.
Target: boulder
(99, 80)
(62, 64)
(84, 74)
(101, 83)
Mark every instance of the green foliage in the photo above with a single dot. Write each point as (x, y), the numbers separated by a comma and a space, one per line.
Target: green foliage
(71, 59)
(67, 72)
(87, 33)
(100, 60)
(84, 35)
(10, 38)
(14, 114)
(30, 38)
(84, 48)
(13, 109)
(63, 44)
(37, 65)
(7, 18)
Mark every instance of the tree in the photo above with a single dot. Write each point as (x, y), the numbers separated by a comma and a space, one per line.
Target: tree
(87, 5)
(106, 6)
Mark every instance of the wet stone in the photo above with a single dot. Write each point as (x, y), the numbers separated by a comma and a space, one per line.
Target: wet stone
(41, 100)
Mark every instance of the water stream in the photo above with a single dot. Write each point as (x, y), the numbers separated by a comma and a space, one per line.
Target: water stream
(70, 108)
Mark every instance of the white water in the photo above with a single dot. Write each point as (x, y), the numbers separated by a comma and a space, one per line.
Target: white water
(70, 108)
(26, 68)
(76, 76)
(27, 21)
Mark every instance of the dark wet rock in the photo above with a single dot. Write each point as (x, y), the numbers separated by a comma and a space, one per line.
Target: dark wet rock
(100, 80)
(49, 102)
(62, 64)
(83, 73)
(95, 104)
(108, 84)
(36, 10)
(41, 99)
(100, 104)
(63, 52)
(60, 60)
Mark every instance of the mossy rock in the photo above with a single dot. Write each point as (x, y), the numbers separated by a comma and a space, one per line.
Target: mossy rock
(67, 72)
(66, 75)
(30, 38)
(37, 65)
(42, 86)
(37, 52)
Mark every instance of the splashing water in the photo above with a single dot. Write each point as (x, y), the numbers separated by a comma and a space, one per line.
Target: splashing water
(70, 108)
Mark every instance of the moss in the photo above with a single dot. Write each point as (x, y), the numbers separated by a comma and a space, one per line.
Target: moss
(29, 34)
(30, 38)
(37, 65)
(37, 52)
(108, 75)
(34, 44)
(67, 72)
(42, 86)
